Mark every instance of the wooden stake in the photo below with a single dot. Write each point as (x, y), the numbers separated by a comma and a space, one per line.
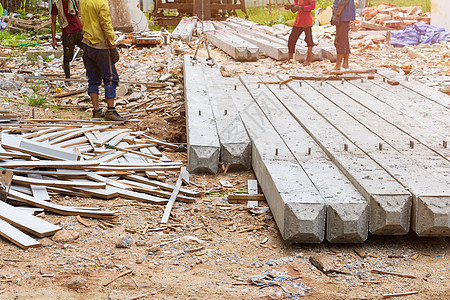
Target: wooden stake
(118, 276)
(392, 273)
(400, 294)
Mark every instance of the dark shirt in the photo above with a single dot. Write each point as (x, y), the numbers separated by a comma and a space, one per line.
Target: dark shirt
(74, 24)
(348, 13)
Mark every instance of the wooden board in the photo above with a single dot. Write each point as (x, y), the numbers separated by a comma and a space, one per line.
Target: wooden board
(59, 183)
(26, 222)
(162, 185)
(60, 209)
(16, 236)
(183, 174)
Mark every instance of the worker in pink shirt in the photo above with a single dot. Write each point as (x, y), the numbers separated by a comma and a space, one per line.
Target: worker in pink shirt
(303, 23)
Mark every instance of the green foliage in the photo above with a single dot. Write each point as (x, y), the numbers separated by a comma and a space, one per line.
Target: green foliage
(11, 39)
(47, 59)
(324, 3)
(262, 16)
(425, 4)
(36, 98)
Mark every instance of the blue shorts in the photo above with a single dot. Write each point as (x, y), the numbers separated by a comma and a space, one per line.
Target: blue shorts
(99, 68)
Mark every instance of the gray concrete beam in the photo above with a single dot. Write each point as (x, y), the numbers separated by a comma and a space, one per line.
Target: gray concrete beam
(373, 182)
(347, 210)
(185, 29)
(410, 168)
(202, 137)
(297, 206)
(233, 45)
(274, 50)
(235, 145)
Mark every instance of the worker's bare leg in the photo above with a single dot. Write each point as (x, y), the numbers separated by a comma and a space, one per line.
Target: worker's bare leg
(345, 61)
(307, 61)
(110, 102)
(94, 99)
(339, 59)
(291, 56)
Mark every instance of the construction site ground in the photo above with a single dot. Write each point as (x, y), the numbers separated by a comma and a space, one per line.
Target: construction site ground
(214, 248)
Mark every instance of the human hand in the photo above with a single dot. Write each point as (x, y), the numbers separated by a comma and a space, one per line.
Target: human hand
(335, 20)
(114, 55)
(295, 8)
(54, 44)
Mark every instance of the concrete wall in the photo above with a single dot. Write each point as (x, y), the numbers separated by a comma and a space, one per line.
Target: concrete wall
(440, 13)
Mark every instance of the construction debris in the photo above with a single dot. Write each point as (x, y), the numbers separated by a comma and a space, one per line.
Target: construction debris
(391, 16)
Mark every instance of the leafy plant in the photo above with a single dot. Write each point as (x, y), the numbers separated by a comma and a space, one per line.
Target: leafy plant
(36, 100)
(47, 59)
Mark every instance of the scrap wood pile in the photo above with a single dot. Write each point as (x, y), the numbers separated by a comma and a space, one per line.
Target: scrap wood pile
(145, 39)
(393, 17)
(85, 160)
(33, 23)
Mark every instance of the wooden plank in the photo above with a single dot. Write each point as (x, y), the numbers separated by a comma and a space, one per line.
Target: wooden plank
(73, 142)
(53, 134)
(39, 191)
(50, 164)
(42, 132)
(114, 183)
(26, 222)
(110, 135)
(142, 187)
(77, 133)
(243, 198)
(162, 185)
(184, 175)
(60, 209)
(16, 236)
(70, 93)
(59, 183)
(48, 151)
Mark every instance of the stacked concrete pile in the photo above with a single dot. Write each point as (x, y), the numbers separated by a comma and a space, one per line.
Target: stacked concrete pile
(337, 160)
(244, 40)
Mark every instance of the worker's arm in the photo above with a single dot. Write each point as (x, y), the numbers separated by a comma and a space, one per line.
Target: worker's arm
(105, 23)
(54, 42)
(342, 4)
(310, 7)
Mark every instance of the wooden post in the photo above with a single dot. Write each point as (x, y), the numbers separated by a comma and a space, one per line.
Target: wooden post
(270, 7)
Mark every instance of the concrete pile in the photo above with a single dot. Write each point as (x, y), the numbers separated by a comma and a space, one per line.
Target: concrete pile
(246, 41)
(337, 160)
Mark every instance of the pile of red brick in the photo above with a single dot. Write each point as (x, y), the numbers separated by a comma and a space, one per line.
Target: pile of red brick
(395, 17)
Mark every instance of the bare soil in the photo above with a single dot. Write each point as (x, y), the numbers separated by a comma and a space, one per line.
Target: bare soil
(211, 249)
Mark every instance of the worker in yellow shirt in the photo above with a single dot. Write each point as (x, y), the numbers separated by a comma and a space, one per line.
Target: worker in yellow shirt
(100, 55)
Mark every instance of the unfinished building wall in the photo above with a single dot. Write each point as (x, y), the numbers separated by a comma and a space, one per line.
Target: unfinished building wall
(440, 13)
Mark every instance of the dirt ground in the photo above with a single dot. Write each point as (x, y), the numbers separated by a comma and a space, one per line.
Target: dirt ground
(212, 249)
